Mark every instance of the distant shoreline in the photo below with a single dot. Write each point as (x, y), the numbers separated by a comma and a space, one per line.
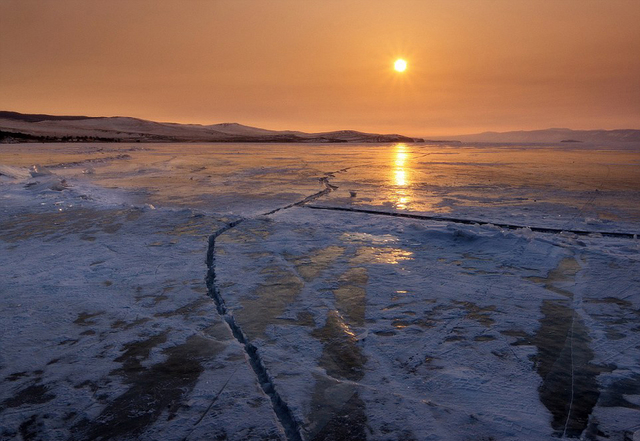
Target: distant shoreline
(18, 128)
(22, 138)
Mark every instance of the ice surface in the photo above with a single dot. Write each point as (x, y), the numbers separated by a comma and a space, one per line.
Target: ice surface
(107, 329)
(147, 294)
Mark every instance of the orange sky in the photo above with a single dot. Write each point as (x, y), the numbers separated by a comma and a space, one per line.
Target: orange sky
(474, 65)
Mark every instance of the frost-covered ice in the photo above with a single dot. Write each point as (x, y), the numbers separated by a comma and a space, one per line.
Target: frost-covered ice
(317, 324)
(107, 329)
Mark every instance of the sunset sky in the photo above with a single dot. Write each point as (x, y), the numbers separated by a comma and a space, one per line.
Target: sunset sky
(325, 65)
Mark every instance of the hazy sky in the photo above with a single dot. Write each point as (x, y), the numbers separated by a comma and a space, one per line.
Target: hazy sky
(473, 65)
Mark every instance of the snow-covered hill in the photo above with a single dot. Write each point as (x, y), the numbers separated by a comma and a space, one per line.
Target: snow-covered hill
(17, 127)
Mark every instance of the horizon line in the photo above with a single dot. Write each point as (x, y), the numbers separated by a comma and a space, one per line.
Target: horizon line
(71, 116)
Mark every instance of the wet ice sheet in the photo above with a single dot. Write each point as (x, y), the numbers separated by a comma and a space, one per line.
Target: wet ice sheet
(553, 186)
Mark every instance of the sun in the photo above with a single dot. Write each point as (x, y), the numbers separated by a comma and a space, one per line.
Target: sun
(400, 65)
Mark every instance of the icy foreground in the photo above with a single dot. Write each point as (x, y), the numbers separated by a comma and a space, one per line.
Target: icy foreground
(191, 292)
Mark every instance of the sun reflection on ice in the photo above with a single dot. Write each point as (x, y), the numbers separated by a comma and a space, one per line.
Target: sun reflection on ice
(401, 156)
(388, 255)
(400, 179)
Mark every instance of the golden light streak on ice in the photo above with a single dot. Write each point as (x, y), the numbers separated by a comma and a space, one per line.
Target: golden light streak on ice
(400, 177)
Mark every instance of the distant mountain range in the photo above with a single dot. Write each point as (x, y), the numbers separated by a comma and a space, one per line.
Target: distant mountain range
(19, 127)
(553, 136)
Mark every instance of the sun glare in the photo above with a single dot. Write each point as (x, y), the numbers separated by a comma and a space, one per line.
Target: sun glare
(400, 65)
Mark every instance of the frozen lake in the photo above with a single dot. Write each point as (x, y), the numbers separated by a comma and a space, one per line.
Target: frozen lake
(267, 291)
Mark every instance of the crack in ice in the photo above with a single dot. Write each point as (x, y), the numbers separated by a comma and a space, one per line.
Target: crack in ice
(281, 409)
(473, 222)
(328, 189)
(566, 424)
(211, 404)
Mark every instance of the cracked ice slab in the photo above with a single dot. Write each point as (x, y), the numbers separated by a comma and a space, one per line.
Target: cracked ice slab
(107, 329)
(370, 327)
